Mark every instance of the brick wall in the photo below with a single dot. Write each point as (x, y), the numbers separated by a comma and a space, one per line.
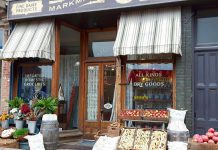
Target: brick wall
(184, 68)
(5, 71)
(5, 85)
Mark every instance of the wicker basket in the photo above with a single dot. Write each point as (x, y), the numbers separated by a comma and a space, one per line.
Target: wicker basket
(9, 143)
(113, 129)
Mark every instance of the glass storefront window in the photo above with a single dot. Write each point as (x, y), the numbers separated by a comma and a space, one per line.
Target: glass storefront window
(34, 82)
(150, 86)
(101, 44)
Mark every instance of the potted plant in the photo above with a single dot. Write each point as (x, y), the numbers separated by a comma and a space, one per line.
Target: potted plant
(32, 118)
(46, 105)
(14, 105)
(4, 118)
(19, 135)
(19, 120)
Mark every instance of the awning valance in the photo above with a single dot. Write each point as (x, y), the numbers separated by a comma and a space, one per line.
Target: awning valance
(31, 40)
(152, 31)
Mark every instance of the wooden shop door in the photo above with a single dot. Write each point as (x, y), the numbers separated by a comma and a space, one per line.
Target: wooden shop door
(99, 110)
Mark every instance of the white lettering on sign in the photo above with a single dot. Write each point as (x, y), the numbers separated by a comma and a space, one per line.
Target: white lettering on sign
(27, 7)
(55, 5)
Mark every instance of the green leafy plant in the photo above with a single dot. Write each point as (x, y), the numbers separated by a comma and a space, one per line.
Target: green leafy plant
(20, 133)
(16, 102)
(46, 105)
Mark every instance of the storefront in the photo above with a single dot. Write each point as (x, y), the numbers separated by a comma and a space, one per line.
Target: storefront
(100, 58)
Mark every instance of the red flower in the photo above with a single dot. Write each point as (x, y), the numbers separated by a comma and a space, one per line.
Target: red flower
(25, 109)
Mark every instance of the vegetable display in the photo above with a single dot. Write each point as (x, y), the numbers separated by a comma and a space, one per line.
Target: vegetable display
(211, 137)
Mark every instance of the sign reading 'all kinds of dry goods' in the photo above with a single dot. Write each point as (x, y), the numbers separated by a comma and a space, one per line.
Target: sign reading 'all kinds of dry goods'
(37, 8)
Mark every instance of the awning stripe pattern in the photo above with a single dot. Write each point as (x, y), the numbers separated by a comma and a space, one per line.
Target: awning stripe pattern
(152, 31)
(31, 40)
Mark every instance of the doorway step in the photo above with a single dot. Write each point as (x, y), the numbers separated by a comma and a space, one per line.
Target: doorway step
(67, 136)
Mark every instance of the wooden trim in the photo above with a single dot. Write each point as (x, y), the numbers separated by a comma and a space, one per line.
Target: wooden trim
(82, 90)
(34, 64)
(123, 80)
(16, 78)
(66, 24)
(56, 64)
(150, 61)
(100, 59)
(102, 29)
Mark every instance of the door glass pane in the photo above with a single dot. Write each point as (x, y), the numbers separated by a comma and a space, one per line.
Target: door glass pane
(69, 78)
(92, 92)
(150, 86)
(207, 30)
(101, 43)
(207, 26)
(108, 100)
(35, 82)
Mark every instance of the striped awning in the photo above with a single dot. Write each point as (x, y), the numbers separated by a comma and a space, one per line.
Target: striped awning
(152, 31)
(31, 40)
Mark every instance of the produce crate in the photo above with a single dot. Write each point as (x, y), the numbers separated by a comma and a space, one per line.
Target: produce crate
(9, 143)
(201, 146)
(129, 117)
(156, 119)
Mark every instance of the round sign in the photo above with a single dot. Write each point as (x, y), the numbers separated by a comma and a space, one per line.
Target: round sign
(107, 106)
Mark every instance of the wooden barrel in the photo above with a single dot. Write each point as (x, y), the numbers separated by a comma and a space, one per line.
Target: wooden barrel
(50, 132)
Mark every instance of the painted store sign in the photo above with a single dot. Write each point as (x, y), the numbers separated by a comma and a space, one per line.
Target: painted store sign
(37, 8)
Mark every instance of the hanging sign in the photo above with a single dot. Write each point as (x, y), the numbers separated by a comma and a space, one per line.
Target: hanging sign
(38, 8)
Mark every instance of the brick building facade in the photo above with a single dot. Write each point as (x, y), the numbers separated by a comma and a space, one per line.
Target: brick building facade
(184, 65)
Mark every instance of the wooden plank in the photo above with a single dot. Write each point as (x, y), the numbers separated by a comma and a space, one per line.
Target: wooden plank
(56, 64)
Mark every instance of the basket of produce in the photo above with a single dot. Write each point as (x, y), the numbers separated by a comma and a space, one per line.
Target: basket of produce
(156, 115)
(5, 134)
(158, 140)
(209, 141)
(131, 114)
(142, 139)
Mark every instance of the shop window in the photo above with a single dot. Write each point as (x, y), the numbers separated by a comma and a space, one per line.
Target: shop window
(149, 86)
(207, 27)
(34, 82)
(69, 78)
(1, 38)
(101, 44)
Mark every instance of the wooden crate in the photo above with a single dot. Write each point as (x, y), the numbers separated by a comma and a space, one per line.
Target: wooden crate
(9, 143)
(201, 146)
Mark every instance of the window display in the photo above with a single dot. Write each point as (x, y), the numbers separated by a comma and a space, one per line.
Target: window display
(149, 86)
(35, 82)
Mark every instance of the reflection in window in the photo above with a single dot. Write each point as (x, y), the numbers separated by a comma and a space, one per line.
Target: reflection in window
(35, 82)
(101, 44)
(102, 49)
(150, 86)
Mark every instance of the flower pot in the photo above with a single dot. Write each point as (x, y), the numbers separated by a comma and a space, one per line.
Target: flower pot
(19, 124)
(15, 116)
(5, 124)
(24, 145)
(31, 126)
